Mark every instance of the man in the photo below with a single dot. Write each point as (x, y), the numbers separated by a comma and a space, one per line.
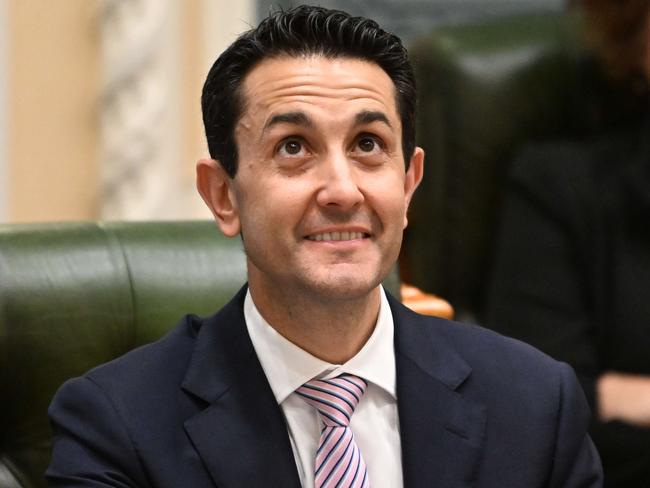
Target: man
(312, 375)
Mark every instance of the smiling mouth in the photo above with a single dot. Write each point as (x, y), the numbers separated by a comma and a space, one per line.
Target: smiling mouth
(337, 236)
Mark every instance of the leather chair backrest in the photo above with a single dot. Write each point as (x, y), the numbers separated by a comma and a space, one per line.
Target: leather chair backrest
(73, 296)
(484, 90)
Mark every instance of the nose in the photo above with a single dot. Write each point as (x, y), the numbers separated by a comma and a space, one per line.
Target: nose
(340, 185)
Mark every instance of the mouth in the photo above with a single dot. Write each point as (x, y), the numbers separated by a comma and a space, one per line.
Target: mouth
(337, 236)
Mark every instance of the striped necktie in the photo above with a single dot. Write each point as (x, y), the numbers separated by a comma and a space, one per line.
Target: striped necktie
(339, 462)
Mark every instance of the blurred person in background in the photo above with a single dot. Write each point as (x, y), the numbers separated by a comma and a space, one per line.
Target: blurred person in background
(572, 269)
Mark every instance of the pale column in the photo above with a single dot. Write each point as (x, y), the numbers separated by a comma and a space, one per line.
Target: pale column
(216, 24)
(140, 108)
(150, 104)
(223, 21)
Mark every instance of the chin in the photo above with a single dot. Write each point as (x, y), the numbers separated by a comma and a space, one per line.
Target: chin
(345, 286)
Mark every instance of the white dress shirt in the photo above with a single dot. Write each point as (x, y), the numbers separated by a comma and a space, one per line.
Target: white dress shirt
(375, 422)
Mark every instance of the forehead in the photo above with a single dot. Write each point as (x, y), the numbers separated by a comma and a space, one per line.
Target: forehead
(335, 86)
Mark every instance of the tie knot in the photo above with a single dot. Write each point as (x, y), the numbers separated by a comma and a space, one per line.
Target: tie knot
(335, 399)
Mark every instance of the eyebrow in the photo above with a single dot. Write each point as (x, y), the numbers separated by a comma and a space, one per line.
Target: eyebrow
(294, 118)
(370, 116)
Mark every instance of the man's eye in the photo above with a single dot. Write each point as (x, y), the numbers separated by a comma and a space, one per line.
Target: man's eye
(368, 144)
(291, 148)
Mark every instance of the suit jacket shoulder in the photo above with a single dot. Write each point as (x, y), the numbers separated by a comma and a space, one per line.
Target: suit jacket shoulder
(492, 411)
(191, 409)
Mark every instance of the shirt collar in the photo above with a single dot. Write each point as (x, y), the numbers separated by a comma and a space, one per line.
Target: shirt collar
(287, 366)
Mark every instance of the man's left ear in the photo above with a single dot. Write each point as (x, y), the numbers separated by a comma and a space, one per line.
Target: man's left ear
(413, 177)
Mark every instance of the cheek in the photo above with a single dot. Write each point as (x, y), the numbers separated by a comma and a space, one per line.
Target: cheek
(270, 206)
(387, 197)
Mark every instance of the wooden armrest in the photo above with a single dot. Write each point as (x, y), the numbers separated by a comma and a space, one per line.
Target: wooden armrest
(426, 303)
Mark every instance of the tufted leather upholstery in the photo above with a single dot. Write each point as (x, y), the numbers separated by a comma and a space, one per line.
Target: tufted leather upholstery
(485, 89)
(76, 295)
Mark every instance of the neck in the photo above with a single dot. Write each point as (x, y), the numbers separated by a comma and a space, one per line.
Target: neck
(330, 329)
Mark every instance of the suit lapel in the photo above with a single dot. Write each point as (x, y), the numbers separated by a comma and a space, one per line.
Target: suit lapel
(241, 435)
(441, 432)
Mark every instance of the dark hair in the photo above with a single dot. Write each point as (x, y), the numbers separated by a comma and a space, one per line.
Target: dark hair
(303, 30)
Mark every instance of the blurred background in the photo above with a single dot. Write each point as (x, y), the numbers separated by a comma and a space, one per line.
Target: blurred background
(99, 99)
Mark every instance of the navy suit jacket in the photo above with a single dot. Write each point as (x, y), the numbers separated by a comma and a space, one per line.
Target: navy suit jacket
(195, 409)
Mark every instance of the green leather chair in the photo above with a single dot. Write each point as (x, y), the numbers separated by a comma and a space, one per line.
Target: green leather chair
(76, 295)
(485, 90)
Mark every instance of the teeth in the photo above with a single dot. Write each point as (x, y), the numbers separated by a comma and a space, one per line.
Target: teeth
(336, 236)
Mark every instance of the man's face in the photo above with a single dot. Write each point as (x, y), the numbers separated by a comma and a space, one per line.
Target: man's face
(320, 195)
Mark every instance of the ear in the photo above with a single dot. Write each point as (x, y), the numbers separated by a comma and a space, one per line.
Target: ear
(413, 177)
(215, 187)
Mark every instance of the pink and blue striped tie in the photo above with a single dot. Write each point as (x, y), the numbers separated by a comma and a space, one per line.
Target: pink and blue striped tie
(339, 462)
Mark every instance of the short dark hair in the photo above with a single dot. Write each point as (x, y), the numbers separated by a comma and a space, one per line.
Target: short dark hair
(303, 30)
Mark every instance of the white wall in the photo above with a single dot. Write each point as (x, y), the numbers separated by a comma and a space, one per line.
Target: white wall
(224, 20)
(4, 125)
